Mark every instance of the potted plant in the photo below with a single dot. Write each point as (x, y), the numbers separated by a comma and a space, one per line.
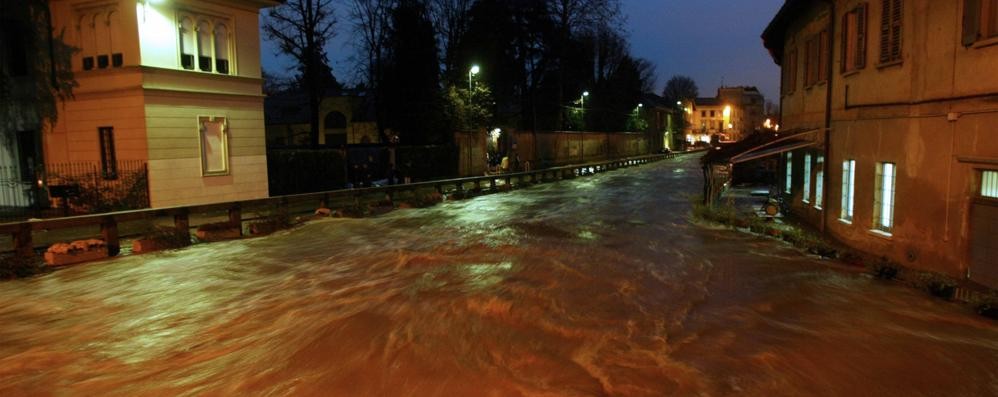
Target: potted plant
(219, 231)
(159, 238)
(61, 254)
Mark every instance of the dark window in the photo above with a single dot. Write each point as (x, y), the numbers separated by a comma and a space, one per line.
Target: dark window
(187, 61)
(108, 159)
(26, 155)
(117, 60)
(204, 63)
(103, 61)
(222, 66)
(15, 56)
(790, 73)
(890, 30)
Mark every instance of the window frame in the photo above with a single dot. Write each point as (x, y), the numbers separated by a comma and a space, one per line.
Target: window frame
(855, 24)
(885, 194)
(108, 154)
(988, 189)
(806, 193)
(225, 141)
(847, 211)
(819, 182)
(891, 32)
(789, 173)
(790, 73)
(197, 36)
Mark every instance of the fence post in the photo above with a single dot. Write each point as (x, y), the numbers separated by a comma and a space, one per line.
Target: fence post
(183, 225)
(236, 217)
(109, 232)
(22, 241)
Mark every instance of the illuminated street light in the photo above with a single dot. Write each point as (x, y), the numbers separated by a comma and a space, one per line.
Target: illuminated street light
(583, 99)
(474, 70)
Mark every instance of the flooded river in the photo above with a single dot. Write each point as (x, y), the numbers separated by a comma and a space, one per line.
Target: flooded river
(598, 286)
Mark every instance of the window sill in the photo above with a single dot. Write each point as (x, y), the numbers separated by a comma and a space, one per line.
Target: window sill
(988, 42)
(845, 221)
(881, 233)
(850, 73)
(817, 208)
(890, 64)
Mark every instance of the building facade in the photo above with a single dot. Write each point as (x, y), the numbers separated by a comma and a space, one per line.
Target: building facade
(174, 83)
(732, 115)
(901, 97)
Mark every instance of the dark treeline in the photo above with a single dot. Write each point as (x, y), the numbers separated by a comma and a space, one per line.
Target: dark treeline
(536, 58)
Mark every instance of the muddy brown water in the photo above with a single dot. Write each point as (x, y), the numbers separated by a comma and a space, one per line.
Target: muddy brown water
(590, 287)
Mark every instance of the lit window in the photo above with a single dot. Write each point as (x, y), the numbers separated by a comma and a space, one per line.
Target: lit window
(819, 183)
(214, 140)
(806, 195)
(883, 207)
(989, 184)
(187, 43)
(848, 189)
(205, 44)
(790, 172)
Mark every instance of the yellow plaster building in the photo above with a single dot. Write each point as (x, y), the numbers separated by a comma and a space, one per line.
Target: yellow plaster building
(176, 83)
(900, 99)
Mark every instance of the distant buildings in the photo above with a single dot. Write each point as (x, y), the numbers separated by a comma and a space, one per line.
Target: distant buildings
(899, 99)
(171, 84)
(344, 118)
(732, 115)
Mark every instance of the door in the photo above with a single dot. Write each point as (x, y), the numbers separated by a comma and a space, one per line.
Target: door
(984, 242)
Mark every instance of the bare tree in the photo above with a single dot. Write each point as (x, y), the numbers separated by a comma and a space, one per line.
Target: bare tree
(371, 23)
(302, 28)
(450, 18)
(680, 88)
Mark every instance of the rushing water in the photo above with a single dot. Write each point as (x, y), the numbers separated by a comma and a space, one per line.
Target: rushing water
(596, 286)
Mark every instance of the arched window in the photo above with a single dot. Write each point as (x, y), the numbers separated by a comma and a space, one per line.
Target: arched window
(102, 39)
(335, 128)
(187, 48)
(221, 49)
(88, 41)
(335, 121)
(114, 38)
(204, 46)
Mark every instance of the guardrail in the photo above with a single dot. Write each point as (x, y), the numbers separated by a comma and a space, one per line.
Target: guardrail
(21, 232)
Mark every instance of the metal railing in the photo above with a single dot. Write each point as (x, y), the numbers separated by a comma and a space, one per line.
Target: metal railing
(22, 232)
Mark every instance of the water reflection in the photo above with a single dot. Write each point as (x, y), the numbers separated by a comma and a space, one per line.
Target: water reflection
(595, 286)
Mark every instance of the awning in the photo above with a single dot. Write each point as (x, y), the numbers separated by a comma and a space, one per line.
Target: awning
(782, 145)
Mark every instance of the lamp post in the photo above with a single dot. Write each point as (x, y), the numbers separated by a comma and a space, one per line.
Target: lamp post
(472, 72)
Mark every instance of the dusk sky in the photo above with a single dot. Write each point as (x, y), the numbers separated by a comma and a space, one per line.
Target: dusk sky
(709, 40)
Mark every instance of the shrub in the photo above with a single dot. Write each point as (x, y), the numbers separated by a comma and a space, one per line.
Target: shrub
(167, 237)
(13, 266)
(270, 223)
(938, 285)
(885, 270)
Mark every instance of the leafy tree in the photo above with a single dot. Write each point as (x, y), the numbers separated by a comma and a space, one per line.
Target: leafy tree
(35, 66)
(302, 28)
(410, 87)
(469, 110)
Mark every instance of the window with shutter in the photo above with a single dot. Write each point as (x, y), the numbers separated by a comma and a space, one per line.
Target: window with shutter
(854, 39)
(991, 13)
(891, 31)
(823, 54)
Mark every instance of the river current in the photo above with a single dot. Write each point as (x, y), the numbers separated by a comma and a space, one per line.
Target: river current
(598, 286)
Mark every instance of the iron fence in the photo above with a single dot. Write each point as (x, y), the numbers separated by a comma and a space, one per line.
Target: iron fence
(90, 187)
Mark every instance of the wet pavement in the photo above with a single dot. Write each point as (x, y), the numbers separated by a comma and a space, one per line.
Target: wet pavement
(590, 287)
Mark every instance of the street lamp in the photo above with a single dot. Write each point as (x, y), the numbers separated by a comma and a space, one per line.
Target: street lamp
(584, 95)
(474, 70)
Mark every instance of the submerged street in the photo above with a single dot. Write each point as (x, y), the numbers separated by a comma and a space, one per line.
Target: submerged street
(594, 286)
